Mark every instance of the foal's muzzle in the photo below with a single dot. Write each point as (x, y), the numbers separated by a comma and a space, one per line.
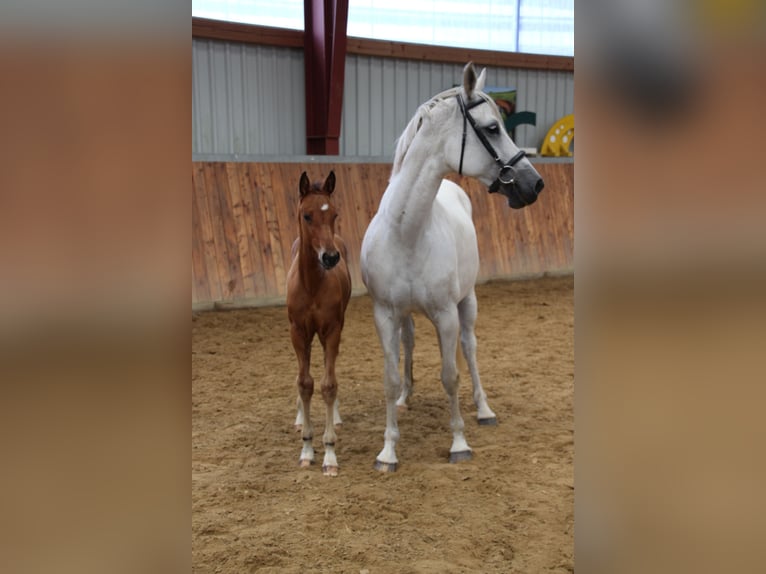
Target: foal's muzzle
(330, 259)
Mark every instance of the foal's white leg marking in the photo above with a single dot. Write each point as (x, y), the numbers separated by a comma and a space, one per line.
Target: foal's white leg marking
(467, 309)
(447, 324)
(299, 416)
(330, 462)
(336, 414)
(388, 331)
(307, 451)
(408, 338)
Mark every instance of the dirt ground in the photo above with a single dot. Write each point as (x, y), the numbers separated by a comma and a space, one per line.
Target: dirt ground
(510, 509)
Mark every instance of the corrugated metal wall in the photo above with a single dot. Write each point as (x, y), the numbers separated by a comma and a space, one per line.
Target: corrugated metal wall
(248, 100)
(382, 94)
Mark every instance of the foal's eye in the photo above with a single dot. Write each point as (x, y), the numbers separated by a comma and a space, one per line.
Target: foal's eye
(307, 217)
(493, 129)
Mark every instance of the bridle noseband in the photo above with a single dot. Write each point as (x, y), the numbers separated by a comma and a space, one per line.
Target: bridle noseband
(506, 168)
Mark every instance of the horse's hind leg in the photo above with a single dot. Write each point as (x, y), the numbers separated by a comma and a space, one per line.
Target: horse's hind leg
(408, 339)
(331, 343)
(305, 384)
(447, 325)
(467, 309)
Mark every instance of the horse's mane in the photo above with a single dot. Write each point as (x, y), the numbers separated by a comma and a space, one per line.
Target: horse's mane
(423, 111)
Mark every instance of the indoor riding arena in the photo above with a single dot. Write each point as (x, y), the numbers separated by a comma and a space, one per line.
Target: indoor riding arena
(508, 509)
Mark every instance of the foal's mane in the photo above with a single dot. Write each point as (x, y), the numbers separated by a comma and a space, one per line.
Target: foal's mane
(424, 111)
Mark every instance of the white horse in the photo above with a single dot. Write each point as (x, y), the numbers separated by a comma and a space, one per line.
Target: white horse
(420, 251)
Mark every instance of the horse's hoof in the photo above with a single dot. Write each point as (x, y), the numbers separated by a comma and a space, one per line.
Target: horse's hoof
(492, 421)
(460, 456)
(330, 470)
(303, 463)
(385, 466)
(401, 409)
(298, 428)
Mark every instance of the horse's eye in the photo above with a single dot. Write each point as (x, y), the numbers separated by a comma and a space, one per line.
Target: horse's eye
(493, 129)
(307, 217)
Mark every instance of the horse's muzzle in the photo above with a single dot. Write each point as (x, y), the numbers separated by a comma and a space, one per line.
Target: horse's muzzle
(521, 189)
(330, 259)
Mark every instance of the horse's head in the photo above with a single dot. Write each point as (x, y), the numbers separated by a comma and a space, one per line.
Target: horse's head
(479, 146)
(317, 215)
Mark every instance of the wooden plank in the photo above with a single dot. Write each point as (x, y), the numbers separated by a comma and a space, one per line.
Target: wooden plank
(350, 226)
(207, 229)
(212, 196)
(259, 175)
(247, 193)
(424, 52)
(194, 296)
(200, 282)
(269, 36)
(285, 178)
(269, 189)
(232, 270)
(241, 228)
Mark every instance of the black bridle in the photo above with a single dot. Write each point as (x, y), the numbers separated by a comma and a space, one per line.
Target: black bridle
(506, 168)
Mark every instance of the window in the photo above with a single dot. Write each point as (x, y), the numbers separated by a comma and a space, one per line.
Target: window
(277, 13)
(529, 26)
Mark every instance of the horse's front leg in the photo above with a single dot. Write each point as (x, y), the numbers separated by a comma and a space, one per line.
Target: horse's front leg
(447, 325)
(305, 383)
(388, 325)
(331, 344)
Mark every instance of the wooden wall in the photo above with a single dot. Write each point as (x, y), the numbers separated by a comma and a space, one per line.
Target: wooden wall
(244, 222)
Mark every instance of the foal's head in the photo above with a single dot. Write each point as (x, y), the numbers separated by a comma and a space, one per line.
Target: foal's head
(317, 215)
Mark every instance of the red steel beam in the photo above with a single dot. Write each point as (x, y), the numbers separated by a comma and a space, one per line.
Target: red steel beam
(324, 42)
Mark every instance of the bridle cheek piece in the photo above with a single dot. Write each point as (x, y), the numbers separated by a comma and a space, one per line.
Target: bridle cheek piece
(507, 174)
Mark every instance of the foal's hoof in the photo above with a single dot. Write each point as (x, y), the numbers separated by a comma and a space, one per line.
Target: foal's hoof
(385, 466)
(330, 470)
(304, 463)
(492, 421)
(460, 456)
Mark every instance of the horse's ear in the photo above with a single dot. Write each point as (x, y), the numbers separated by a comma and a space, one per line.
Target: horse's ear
(329, 183)
(304, 185)
(469, 79)
(480, 82)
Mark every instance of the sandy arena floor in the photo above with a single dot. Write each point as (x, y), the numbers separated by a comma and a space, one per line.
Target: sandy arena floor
(510, 509)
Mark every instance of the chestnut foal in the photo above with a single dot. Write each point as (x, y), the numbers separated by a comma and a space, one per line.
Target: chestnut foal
(318, 290)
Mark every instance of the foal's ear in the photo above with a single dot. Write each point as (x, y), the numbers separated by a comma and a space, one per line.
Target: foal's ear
(329, 183)
(469, 80)
(304, 185)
